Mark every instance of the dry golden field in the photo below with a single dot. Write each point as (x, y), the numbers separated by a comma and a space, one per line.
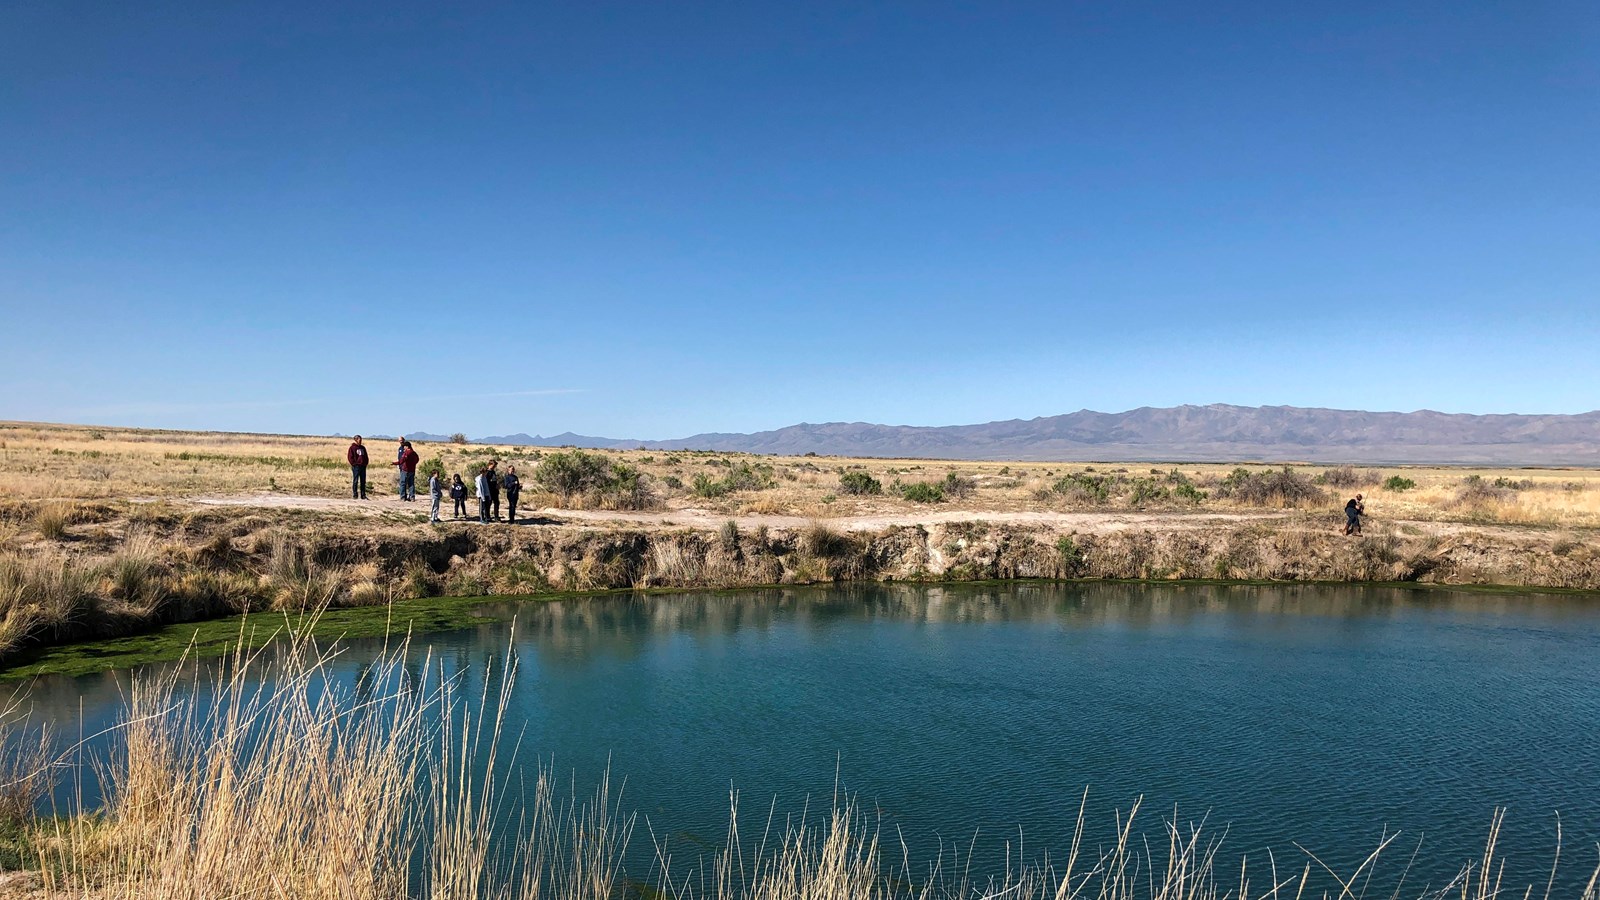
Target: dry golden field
(64, 463)
(110, 532)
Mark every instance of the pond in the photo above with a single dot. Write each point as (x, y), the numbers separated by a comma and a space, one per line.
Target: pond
(977, 716)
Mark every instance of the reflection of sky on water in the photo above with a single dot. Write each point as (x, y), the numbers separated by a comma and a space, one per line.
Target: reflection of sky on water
(1292, 712)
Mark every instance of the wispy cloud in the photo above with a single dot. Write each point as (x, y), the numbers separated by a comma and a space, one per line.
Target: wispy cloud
(170, 407)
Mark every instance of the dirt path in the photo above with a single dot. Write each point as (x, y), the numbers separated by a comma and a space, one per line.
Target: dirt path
(693, 517)
(703, 518)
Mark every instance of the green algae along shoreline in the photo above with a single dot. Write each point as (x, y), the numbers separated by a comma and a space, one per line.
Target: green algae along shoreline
(124, 599)
(221, 637)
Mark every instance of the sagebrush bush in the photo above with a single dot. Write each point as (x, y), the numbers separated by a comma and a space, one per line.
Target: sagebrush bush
(590, 477)
(958, 486)
(1274, 487)
(740, 476)
(922, 492)
(859, 483)
(1398, 483)
(1083, 487)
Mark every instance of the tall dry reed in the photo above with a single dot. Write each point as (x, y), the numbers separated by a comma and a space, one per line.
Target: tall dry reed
(278, 778)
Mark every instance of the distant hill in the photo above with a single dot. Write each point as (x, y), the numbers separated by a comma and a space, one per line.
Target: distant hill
(1181, 433)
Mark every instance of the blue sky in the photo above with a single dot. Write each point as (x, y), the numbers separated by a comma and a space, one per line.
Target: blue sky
(650, 220)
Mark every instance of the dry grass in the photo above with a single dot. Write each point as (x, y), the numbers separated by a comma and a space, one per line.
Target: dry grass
(313, 788)
(84, 557)
(41, 462)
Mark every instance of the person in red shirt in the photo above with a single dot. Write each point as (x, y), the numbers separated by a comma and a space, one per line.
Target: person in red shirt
(408, 471)
(357, 457)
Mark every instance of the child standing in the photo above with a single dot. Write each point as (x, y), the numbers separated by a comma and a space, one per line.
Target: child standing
(435, 493)
(458, 493)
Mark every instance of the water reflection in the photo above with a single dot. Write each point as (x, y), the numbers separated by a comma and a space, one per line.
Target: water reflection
(1311, 713)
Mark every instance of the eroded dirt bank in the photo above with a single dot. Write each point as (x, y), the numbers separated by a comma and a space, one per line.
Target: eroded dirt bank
(125, 569)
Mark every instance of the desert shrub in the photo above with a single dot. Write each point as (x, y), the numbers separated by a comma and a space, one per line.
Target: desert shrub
(729, 535)
(822, 542)
(434, 466)
(1083, 487)
(708, 487)
(458, 438)
(1511, 484)
(673, 482)
(1341, 477)
(1476, 490)
(477, 466)
(859, 483)
(593, 478)
(1398, 483)
(740, 476)
(1069, 556)
(922, 492)
(958, 486)
(573, 472)
(1280, 487)
(1146, 490)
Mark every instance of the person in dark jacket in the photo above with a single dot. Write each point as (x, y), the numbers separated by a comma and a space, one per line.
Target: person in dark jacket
(357, 457)
(1353, 511)
(494, 488)
(458, 493)
(513, 487)
(408, 471)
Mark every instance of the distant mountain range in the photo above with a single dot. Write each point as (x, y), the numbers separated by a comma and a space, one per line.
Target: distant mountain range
(1218, 432)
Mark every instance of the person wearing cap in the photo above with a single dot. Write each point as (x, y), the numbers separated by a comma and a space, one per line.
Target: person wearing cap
(356, 456)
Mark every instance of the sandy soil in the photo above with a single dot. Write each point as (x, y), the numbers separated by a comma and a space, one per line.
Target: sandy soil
(700, 518)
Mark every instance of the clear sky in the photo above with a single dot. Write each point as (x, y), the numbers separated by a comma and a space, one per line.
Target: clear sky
(654, 219)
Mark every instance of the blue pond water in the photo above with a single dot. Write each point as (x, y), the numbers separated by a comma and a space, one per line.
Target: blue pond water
(971, 715)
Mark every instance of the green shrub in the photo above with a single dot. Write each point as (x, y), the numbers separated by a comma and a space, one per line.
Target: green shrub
(708, 487)
(593, 477)
(1070, 555)
(859, 483)
(740, 477)
(958, 486)
(1146, 490)
(574, 472)
(922, 492)
(1283, 487)
(1083, 486)
(1397, 483)
(434, 466)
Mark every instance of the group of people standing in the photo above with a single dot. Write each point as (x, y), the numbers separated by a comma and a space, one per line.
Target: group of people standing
(488, 484)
